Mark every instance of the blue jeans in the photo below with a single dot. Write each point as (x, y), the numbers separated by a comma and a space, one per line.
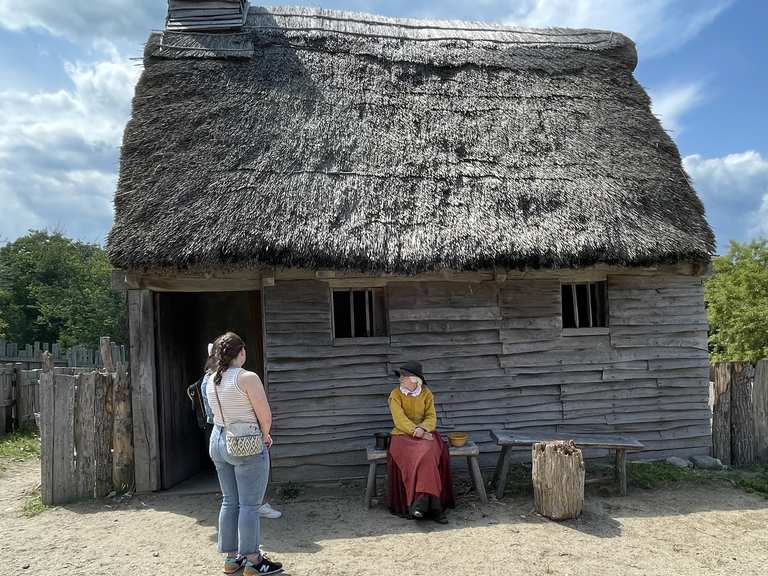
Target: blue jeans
(243, 483)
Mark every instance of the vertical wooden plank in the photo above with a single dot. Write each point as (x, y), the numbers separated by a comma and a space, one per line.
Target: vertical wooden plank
(122, 432)
(106, 354)
(721, 413)
(103, 426)
(47, 435)
(742, 416)
(85, 434)
(143, 389)
(6, 397)
(760, 396)
(65, 488)
(21, 396)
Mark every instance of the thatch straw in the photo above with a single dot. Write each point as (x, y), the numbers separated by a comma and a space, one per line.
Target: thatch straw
(326, 139)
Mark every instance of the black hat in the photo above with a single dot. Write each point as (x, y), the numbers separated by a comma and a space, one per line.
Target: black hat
(411, 368)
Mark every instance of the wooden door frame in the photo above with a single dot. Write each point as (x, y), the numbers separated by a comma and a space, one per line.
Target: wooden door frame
(142, 326)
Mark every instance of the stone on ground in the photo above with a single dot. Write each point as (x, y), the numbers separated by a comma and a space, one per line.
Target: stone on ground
(679, 462)
(707, 463)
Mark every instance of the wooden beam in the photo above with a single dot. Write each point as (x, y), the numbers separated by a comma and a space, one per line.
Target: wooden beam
(141, 324)
(252, 279)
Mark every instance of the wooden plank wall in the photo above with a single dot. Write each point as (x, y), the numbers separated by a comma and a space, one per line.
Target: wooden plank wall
(495, 356)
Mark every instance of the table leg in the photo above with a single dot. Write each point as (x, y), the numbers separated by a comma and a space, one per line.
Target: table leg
(502, 470)
(621, 471)
(477, 477)
(370, 489)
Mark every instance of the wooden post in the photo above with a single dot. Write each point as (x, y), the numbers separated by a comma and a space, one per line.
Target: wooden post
(742, 416)
(721, 413)
(47, 410)
(122, 435)
(106, 354)
(558, 479)
(146, 442)
(760, 396)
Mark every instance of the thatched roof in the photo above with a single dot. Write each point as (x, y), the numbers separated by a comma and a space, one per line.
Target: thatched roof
(323, 139)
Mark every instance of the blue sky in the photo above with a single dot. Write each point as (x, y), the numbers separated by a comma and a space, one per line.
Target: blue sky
(67, 78)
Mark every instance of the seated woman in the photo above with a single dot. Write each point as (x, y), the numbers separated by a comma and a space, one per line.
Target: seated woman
(418, 467)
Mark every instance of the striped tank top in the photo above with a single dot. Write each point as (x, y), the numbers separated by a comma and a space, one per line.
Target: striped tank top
(234, 401)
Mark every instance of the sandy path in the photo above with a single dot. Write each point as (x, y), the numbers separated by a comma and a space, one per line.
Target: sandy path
(687, 529)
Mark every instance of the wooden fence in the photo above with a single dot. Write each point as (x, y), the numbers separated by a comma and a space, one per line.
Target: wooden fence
(19, 397)
(29, 355)
(86, 432)
(740, 413)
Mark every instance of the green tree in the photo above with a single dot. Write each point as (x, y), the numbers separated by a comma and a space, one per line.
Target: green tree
(737, 303)
(53, 289)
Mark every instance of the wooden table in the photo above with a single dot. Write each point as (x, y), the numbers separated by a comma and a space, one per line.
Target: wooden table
(508, 440)
(470, 451)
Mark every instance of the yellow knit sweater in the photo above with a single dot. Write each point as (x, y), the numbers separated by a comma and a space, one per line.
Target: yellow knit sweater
(411, 412)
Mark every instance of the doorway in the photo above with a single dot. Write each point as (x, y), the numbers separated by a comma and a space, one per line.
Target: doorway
(185, 324)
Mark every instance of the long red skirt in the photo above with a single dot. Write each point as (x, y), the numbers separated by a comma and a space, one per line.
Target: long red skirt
(416, 466)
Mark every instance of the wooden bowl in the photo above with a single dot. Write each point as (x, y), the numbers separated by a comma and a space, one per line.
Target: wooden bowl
(457, 439)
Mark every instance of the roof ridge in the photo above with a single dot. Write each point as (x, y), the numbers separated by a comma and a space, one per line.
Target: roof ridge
(417, 23)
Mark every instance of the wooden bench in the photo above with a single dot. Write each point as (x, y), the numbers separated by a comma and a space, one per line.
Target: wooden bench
(509, 440)
(470, 451)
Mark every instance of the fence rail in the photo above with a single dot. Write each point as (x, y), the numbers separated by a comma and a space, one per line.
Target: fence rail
(29, 355)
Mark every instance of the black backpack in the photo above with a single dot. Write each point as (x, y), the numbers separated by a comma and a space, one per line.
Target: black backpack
(195, 393)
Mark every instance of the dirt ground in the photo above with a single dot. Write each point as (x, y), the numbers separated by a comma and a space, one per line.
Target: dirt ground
(683, 529)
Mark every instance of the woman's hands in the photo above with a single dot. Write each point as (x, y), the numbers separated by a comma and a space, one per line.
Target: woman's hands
(268, 441)
(421, 433)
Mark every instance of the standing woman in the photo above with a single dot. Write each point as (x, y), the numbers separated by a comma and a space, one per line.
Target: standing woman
(419, 466)
(242, 423)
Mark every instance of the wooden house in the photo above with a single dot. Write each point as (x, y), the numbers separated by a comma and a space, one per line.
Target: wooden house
(348, 191)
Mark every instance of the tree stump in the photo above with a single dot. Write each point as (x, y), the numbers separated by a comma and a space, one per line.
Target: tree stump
(558, 479)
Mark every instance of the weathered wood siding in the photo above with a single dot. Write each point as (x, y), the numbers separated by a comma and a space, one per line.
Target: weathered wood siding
(495, 356)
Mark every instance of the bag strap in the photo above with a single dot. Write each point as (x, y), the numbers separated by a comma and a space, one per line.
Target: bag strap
(221, 410)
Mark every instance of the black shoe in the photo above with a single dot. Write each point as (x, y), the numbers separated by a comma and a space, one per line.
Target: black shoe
(420, 506)
(263, 568)
(440, 517)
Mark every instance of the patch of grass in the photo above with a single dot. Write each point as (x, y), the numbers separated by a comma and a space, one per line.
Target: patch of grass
(754, 480)
(290, 491)
(34, 506)
(655, 474)
(20, 446)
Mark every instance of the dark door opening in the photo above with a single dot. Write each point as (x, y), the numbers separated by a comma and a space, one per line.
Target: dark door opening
(186, 323)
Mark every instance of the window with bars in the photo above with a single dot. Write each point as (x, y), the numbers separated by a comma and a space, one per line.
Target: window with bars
(585, 305)
(359, 313)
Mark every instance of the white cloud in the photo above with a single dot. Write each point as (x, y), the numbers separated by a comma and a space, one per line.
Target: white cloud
(657, 26)
(84, 19)
(59, 149)
(671, 104)
(734, 189)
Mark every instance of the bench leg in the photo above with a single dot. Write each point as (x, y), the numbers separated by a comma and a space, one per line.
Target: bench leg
(370, 489)
(477, 478)
(497, 471)
(502, 470)
(621, 471)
